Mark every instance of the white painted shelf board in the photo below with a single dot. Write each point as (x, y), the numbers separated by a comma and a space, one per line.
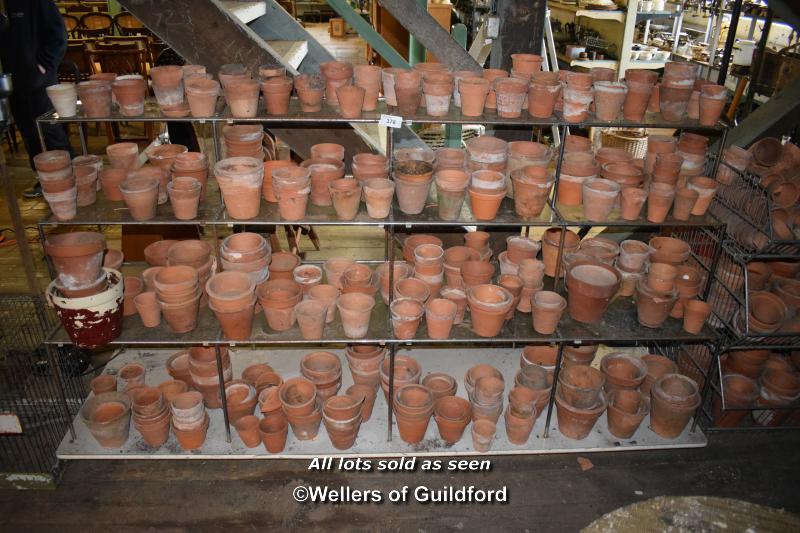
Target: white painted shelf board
(372, 438)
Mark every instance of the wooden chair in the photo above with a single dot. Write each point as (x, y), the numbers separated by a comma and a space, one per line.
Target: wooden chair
(97, 7)
(143, 42)
(76, 55)
(127, 24)
(96, 25)
(120, 57)
(71, 23)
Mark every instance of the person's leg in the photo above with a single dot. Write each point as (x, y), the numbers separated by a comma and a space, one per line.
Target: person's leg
(26, 106)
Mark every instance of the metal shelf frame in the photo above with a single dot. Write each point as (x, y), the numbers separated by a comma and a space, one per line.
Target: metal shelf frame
(620, 327)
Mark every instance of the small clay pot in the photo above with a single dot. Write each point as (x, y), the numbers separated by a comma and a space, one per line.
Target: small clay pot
(626, 410)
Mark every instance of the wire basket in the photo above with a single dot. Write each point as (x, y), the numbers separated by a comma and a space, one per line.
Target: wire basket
(633, 140)
(720, 414)
(747, 207)
(37, 400)
(730, 296)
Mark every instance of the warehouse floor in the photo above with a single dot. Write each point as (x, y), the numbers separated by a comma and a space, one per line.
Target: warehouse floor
(546, 493)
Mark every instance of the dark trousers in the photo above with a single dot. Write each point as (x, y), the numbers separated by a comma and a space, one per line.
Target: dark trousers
(26, 106)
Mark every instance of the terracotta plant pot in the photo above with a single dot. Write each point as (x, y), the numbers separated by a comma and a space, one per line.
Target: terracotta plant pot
(472, 94)
(626, 410)
(108, 418)
(378, 194)
(599, 197)
(695, 314)
(240, 180)
(489, 305)
(439, 315)
(675, 398)
(406, 314)
(64, 97)
(412, 184)
(277, 92)
(510, 94)
(609, 99)
(346, 197)
(278, 298)
(591, 286)
(95, 98)
(242, 97)
(355, 309)
(310, 90)
(550, 244)
(547, 310)
(140, 196)
(184, 195)
(321, 171)
(103, 383)
(653, 307)
(452, 414)
(123, 155)
(740, 393)
(351, 100)
(574, 422)
(483, 432)
(311, 316)
(273, 431)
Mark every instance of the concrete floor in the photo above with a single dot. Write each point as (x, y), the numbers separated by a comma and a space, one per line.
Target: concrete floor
(546, 493)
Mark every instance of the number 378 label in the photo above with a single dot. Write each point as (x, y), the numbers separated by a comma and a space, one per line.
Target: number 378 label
(391, 121)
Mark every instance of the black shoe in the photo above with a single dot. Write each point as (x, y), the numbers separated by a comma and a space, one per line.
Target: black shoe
(34, 192)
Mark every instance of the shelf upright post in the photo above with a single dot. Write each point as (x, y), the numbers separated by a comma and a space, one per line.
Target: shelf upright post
(55, 371)
(714, 353)
(720, 236)
(560, 257)
(222, 394)
(390, 251)
(551, 401)
(389, 417)
(558, 162)
(721, 147)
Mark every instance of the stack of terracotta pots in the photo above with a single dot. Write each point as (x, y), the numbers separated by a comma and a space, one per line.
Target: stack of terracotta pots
(189, 420)
(108, 417)
(240, 180)
(437, 88)
(78, 261)
(337, 74)
(640, 87)
(485, 386)
(244, 140)
(412, 179)
(413, 407)
(192, 165)
(520, 415)
(591, 284)
(302, 407)
(631, 263)
(178, 292)
(780, 388)
(204, 375)
(278, 298)
(543, 92)
(55, 173)
(241, 399)
(342, 416)
(656, 294)
(167, 82)
(198, 255)
(578, 95)
(487, 153)
(232, 298)
(151, 415)
(674, 399)
(676, 89)
(246, 252)
(365, 361)
(324, 370)
(407, 371)
(580, 400)
(735, 161)
(537, 364)
(576, 168)
(740, 394)
(452, 415)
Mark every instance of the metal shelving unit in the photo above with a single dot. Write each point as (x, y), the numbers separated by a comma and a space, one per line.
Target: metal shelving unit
(620, 327)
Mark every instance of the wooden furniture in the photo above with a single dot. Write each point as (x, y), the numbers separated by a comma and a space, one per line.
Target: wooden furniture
(75, 56)
(96, 25)
(127, 24)
(122, 57)
(337, 28)
(71, 23)
(392, 31)
(442, 13)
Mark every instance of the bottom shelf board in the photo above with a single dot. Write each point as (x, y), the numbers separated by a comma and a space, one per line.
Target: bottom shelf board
(372, 437)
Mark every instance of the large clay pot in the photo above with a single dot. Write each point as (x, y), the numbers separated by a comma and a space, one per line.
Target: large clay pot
(489, 305)
(626, 410)
(576, 423)
(240, 180)
(591, 285)
(675, 398)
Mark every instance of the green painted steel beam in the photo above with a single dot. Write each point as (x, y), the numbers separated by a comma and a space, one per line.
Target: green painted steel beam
(416, 51)
(368, 33)
(453, 131)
